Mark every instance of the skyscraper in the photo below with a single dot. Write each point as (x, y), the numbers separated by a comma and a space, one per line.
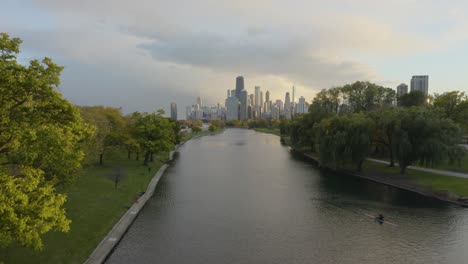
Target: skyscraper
(301, 106)
(287, 106)
(293, 94)
(243, 110)
(239, 85)
(420, 83)
(174, 111)
(199, 101)
(267, 101)
(402, 89)
(257, 97)
(232, 106)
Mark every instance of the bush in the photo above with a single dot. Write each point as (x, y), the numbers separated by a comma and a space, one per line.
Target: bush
(196, 129)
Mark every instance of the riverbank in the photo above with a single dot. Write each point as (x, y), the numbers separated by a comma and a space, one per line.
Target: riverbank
(444, 188)
(95, 206)
(274, 131)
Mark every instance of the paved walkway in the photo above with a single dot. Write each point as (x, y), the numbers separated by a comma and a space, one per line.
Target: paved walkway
(441, 172)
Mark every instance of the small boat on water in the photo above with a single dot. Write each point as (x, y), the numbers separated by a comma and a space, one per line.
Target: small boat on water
(380, 219)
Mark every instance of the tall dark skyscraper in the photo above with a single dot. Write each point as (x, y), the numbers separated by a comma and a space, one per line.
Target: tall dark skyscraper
(174, 111)
(239, 85)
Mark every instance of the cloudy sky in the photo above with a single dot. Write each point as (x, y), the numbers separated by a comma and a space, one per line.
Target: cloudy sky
(140, 55)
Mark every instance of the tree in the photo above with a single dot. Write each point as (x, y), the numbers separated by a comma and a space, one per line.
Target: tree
(110, 128)
(196, 129)
(41, 137)
(424, 136)
(386, 123)
(414, 98)
(343, 139)
(212, 128)
(29, 208)
(455, 106)
(153, 133)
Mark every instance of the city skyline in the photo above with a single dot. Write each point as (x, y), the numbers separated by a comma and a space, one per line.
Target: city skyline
(141, 58)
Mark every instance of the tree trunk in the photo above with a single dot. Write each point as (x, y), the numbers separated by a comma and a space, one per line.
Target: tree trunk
(147, 156)
(129, 154)
(390, 148)
(101, 156)
(151, 156)
(137, 155)
(359, 167)
(402, 168)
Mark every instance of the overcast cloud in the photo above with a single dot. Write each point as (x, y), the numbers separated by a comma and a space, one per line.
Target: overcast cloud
(141, 55)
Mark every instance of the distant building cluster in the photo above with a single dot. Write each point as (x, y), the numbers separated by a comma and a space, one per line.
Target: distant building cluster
(418, 83)
(198, 111)
(240, 105)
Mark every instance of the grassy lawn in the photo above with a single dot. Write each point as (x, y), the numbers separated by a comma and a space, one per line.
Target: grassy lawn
(435, 182)
(94, 206)
(274, 131)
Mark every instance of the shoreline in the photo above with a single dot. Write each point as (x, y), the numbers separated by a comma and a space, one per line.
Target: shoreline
(112, 239)
(392, 183)
(387, 181)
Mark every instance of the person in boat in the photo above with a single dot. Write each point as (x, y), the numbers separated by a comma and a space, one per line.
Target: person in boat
(380, 218)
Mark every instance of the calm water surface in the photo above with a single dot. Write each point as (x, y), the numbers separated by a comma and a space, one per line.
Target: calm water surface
(242, 197)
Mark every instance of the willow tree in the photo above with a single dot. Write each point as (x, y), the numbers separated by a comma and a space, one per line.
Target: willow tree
(424, 137)
(40, 147)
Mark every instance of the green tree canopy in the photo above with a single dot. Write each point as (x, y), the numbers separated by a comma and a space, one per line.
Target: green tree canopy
(153, 133)
(414, 98)
(41, 137)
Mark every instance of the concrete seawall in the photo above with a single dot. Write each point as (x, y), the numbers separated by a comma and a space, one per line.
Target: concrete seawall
(111, 240)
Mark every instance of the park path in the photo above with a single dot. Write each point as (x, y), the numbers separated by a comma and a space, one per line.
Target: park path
(440, 172)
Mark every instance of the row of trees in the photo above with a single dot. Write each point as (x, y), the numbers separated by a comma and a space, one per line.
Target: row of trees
(347, 124)
(139, 133)
(44, 140)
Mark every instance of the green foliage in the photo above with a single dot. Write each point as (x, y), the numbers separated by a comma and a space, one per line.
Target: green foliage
(353, 98)
(196, 129)
(455, 106)
(29, 208)
(41, 137)
(263, 123)
(414, 98)
(212, 128)
(153, 132)
(343, 139)
(110, 126)
(425, 137)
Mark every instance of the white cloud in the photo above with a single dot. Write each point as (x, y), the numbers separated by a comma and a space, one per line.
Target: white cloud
(166, 50)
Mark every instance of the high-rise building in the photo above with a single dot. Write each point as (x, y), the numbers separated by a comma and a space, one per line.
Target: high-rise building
(174, 111)
(287, 106)
(239, 86)
(266, 106)
(243, 110)
(402, 89)
(261, 99)
(232, 106)
(301, 106)
(293, 94)
(257, 96)
(199, 101)
(420, 83)
(188, 112)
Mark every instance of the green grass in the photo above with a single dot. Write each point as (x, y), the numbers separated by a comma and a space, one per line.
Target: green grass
(186, 137)
(94, 206)
(274, 131)
(435, 182)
